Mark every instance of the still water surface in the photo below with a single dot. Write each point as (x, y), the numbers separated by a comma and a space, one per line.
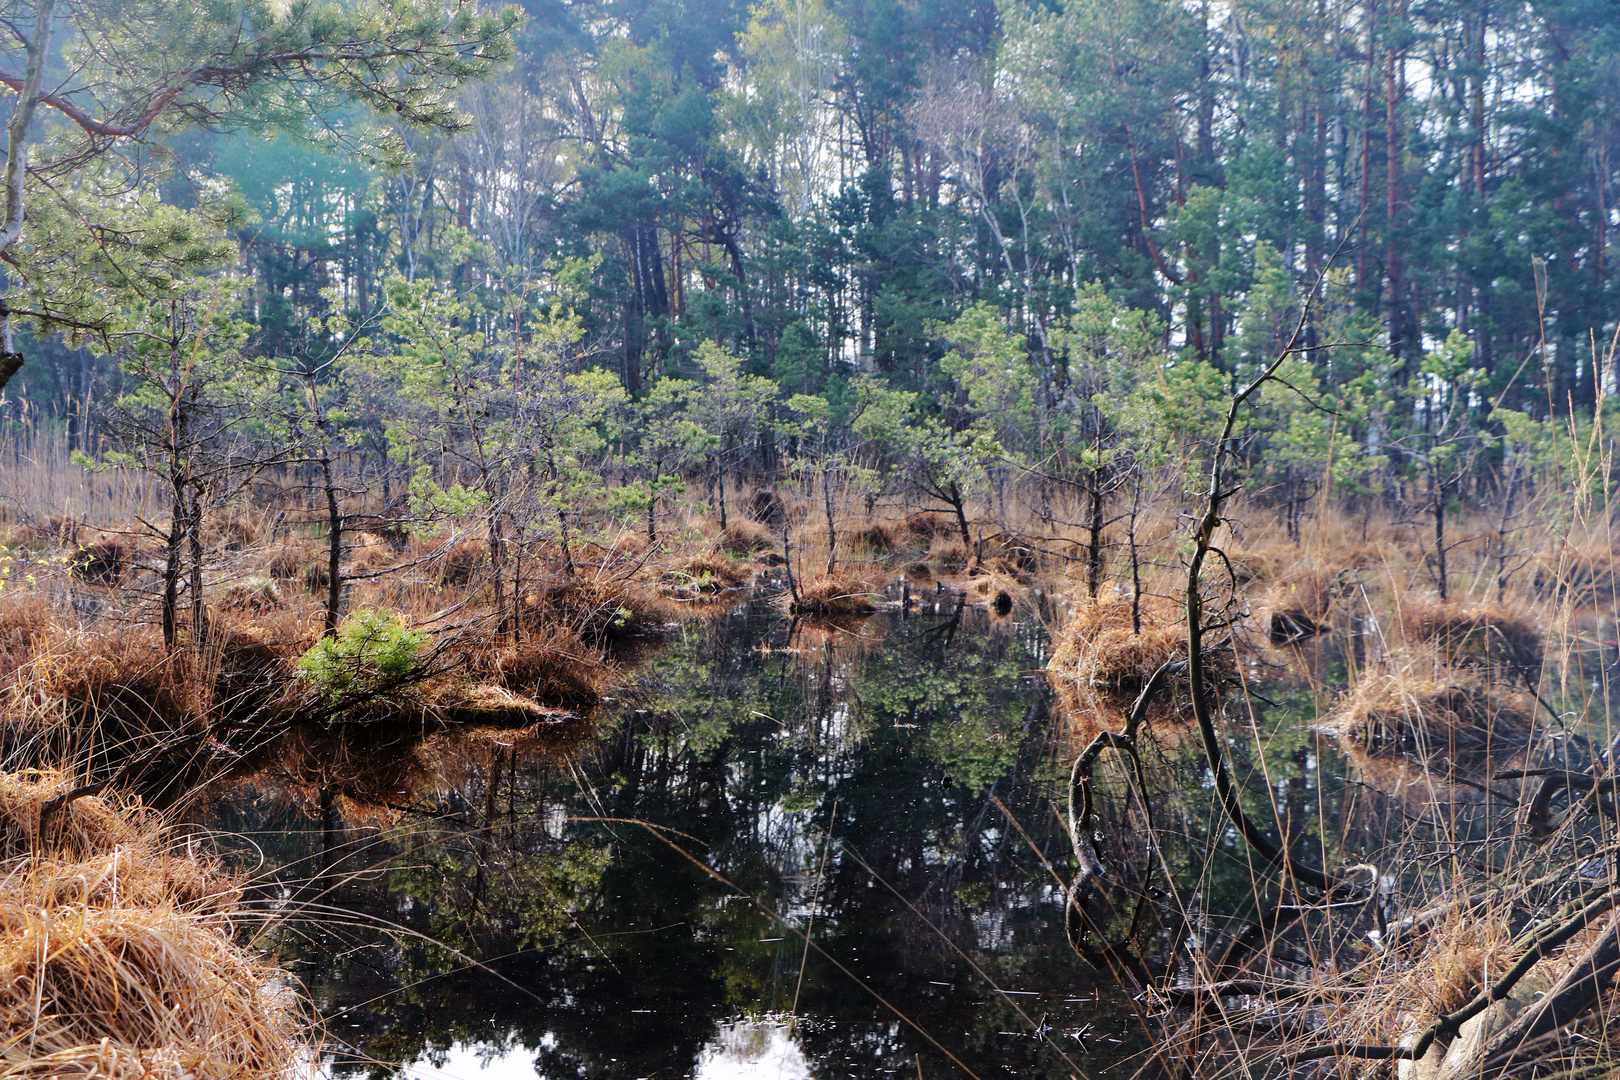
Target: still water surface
(624, 895)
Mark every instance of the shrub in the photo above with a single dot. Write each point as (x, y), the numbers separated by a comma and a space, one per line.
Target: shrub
(371, 652)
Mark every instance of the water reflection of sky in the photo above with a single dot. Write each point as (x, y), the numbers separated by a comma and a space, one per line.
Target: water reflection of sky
(474, 1062)
(774, 765)
(744, 1049)
(752, 1050)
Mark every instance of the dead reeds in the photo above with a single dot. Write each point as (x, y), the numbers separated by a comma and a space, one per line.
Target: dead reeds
(1101, 660)
(744, 536)
(1300, 602)
(832, 595)
(707, 573)
(1480, 635)
(601, 610)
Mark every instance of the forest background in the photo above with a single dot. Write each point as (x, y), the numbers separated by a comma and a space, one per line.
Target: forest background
(976, 253)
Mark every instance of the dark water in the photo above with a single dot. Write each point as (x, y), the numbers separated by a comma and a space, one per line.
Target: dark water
(628, 894)
(623, 896)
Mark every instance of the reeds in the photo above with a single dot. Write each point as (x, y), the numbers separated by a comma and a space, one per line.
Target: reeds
(1449, 717)
(1484, 634)
(1101, 661)
(744, 536)
(707, 573)
(601, 610)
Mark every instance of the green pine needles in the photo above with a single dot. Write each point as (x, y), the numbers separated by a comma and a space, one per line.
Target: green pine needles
(371, 653)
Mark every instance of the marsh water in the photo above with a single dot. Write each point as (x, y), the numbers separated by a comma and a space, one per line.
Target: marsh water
(785, 850)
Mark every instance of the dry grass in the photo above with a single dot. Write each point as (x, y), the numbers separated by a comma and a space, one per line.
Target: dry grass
(102, 562)
(551, 665)
(1463, 951)
(767, 508)
(1300, 602)
(744, 536)
(1485, 634)
(1100, 663)
(947, 550)
(829, 595)
(289, 560)
(1460, 720)
(1581, 569)
(255, 595)
(707, 573)
(122, 684)
(1000, 592)
(459, 563)
(25, 621)
(369, 552)
(1010, 553)
(924, 525)
(600, 610)
(116, 954)
(877, 538)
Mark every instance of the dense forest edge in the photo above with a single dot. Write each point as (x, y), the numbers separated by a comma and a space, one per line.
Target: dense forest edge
(381, 369)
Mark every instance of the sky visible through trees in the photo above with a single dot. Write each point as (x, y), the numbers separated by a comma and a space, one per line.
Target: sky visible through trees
(1033, 238)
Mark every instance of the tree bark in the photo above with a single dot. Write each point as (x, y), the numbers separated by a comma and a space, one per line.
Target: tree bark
(22, 118)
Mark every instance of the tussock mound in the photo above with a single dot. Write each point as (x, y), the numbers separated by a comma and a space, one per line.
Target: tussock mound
(1459, 721)
(767, 508)
(744, 536)
(290, 560)
(125, 679)
(1470, 636)
(878, 538)
(1100, 663)
(551, 665)
(1009, 553)
(116, 956)
(1300, 603)
(925, 525)
(103, 562)
(24, 623)
(599, 610)
(833, 594)
(707, 573)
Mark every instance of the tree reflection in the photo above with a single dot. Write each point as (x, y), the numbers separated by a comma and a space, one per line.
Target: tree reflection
(845, 777)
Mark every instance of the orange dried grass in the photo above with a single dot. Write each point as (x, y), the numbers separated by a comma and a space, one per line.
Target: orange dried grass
(707, 572)
(746, 536)
(116, 956)
(1460, 720)
(1100, 663)
(829, 595)
(1484, 634)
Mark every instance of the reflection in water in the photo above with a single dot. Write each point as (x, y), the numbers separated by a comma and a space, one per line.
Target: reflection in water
(505, 894)
(759, 1049)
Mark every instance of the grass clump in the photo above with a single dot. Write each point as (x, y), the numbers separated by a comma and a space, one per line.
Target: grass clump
(832, 595)
(116, 954)
(119, 683)
(551, 665)
(601, 611)
(1480, 635)
(706, 573)
(1462, 719)
(744, 536)
(1101, 661)
(1300, 604)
